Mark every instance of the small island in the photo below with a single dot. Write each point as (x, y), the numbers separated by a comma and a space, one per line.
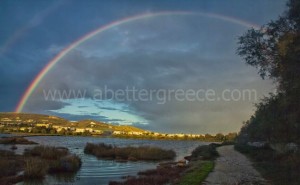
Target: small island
(16, 140)
(146, 153)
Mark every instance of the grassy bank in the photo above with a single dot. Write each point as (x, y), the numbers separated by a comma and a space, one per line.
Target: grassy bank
(103, 150)
(211, 138)
(166, 174)
(277, 168)
(202, 163)
(197, 174)
(194, 173)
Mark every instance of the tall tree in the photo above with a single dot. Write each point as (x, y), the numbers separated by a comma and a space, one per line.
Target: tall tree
(274, 50)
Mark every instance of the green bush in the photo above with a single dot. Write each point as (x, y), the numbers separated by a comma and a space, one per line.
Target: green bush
(206, 152)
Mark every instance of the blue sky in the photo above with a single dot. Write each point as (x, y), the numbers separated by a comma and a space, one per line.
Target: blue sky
(169, 52)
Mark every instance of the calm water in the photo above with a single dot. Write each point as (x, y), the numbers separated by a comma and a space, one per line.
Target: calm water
(94, 171)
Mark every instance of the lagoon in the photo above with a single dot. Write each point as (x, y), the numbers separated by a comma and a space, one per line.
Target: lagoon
(95, 171)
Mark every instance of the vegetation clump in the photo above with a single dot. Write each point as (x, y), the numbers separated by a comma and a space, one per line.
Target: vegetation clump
(36, 163)
(10, 165)
(205, 152)
(192, 173)
(52, 159)
(147, 153)
(16, 140)
(167, 174)
(198, 174)
(35, 168)
(47, 152)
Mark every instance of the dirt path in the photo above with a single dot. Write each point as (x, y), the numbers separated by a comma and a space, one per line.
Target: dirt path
(233, 168)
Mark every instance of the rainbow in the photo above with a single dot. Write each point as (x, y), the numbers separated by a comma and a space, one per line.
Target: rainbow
(90, 35)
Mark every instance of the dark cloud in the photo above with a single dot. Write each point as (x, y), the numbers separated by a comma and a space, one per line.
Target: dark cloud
(165, 53)
(106, 108)
(76, 117)
(35, 105)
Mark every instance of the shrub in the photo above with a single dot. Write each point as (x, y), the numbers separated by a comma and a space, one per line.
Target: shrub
(35, 168)
(69, 163)
(259, 154)
(6, 153)
(57, 159)
(207, 152)
(9, 164)
(8, 167)
(47, 152)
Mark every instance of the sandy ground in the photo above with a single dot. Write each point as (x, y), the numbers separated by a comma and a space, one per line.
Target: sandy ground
(233, 168)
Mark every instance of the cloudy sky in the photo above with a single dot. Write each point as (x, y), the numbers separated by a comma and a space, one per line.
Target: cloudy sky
(189, 47)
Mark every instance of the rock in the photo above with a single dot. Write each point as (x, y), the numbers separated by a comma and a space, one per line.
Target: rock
(182, 163)
(188, 157)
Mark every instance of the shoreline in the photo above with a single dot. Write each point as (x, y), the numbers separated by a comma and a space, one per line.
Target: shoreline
(18, 134)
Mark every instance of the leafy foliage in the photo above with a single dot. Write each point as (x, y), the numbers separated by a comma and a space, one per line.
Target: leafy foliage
(207, 152)
(275, 51)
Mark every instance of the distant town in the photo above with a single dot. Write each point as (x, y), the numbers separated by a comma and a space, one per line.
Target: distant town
(35, 124)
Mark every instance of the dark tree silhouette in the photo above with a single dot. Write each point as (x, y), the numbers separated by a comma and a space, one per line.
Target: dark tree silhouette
(274, 50)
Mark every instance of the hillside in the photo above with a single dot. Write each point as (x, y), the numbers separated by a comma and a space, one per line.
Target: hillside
(30, 118)
(104, 126)
(34, 119)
